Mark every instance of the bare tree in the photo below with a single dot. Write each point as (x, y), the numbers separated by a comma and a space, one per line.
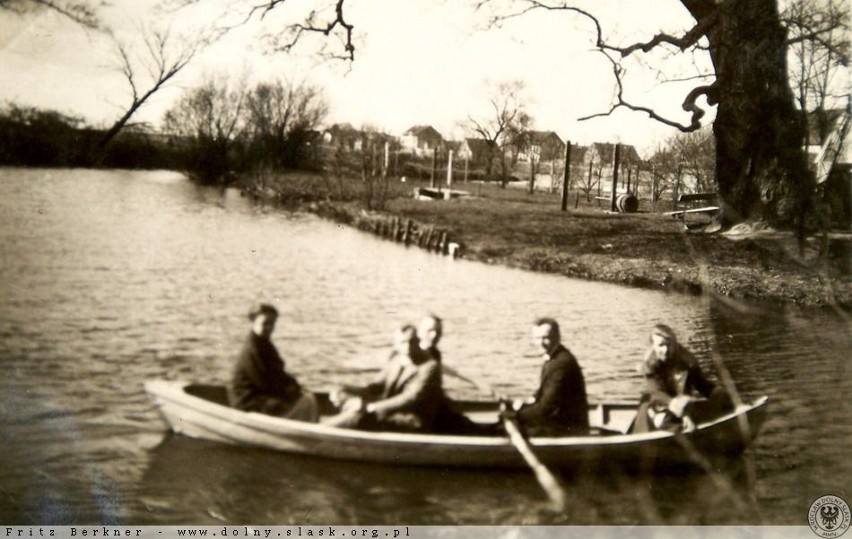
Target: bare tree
(695, 153)
(279, 117)
(79, 11)
(666, 168)
(326, 20)
(761, 168)
(206, 122)
(818, 33)
(505, 121)
(148, 66)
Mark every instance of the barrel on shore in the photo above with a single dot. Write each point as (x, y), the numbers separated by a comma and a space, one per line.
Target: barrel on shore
(627, 203)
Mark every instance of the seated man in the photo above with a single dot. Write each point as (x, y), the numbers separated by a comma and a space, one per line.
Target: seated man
(405, 397)
(559, 406)
(259, 383)
(673, 378)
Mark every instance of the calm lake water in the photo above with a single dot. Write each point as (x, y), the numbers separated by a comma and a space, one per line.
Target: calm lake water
(110, 278)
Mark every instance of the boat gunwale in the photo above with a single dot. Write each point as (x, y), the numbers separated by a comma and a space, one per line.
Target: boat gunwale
(175, 391)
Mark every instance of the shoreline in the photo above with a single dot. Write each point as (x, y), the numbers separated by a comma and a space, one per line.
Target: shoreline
(775, 286)
(645, 249)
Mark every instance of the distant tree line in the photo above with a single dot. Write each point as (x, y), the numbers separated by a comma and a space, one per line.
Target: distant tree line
(214, 131)
(224, 129)
(35, 137)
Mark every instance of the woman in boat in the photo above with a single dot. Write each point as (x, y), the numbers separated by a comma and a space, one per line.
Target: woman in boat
(405, 397)
(259, 382)
(674, 379)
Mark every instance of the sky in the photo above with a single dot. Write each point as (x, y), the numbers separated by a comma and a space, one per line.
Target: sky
(416, 62)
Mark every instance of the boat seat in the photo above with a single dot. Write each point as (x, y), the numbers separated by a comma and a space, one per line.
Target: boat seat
(212, 393)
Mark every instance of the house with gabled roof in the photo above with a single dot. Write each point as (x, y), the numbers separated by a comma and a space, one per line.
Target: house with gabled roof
(543, 146)
(421, 140)
(829, 148)
(475, 150)
(604, 152)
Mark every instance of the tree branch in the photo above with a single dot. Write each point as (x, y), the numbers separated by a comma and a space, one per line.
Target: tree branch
(689, 104)
(78, 11)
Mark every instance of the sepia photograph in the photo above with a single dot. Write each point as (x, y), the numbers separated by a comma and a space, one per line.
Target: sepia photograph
(425, 268)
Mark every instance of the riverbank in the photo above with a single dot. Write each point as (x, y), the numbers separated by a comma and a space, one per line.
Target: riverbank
(646, 249)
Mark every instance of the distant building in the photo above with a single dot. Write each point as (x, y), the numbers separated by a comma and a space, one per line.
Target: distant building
(542, 146)
(421, 140)
(344, 136)
(829, 148)
(603, 153)
(475, 150)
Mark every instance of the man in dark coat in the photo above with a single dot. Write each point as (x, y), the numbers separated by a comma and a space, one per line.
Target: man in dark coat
(559, 406)
(259, 382)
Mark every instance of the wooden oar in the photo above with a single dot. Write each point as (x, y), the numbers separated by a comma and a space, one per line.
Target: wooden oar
(554, 490)
(545, 477)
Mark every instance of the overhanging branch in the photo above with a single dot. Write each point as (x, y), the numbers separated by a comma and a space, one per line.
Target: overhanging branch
(689, 104)
(312, 26)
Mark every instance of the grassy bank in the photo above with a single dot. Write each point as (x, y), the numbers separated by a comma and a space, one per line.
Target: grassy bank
(646, 249)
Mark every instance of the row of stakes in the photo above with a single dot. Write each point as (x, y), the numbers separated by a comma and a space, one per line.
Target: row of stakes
(429, 238)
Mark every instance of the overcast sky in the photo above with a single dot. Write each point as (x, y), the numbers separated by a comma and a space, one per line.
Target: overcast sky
(417, 62)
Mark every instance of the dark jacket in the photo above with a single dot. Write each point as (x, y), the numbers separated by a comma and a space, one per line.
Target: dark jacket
(678, 375)
(560, 405)
(259, 383)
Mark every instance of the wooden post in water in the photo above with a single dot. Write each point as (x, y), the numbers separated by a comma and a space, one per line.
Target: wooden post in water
(407, 236)
(615, 165)
(566, 175)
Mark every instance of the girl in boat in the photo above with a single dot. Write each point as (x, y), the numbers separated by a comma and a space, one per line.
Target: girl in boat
(674, 379)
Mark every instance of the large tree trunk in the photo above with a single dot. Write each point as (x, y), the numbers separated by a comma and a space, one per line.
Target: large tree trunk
(761, 168)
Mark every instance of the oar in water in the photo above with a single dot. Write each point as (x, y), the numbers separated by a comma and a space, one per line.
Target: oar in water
(554, 490)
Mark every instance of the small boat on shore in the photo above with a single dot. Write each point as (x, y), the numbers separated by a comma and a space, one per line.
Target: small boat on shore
(202, 411)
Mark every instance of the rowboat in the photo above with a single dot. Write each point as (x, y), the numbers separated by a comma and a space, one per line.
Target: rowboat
(201, 411)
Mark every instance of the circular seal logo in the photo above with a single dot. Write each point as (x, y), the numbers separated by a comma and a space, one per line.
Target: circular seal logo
(829, 516)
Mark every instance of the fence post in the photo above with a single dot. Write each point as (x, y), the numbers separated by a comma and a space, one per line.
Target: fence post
(615, 165)
(566, 175)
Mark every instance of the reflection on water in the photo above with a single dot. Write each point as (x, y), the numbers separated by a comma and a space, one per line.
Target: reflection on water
(110, 278)
(207, 483)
